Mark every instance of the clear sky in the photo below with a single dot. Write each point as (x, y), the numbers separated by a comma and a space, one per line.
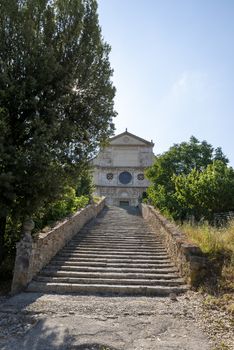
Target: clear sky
(173, 64)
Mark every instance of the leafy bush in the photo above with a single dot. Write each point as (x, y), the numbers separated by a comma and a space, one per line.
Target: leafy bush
(203, 193)
(63, 207)
(85, 185)
(191, 178)
(46, 216)
(96, 199)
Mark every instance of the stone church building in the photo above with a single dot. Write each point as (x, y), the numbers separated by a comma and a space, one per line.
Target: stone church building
(119, 169)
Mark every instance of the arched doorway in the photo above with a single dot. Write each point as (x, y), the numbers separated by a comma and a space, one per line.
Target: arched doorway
(124, 200)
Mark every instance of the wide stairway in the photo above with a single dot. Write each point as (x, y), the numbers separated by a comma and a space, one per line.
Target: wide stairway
(116, 253)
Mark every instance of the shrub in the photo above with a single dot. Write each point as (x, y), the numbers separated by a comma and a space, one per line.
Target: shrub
(191, 178)
(63, 207)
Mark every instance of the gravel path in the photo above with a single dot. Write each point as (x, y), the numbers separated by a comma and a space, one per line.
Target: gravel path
(31, 321)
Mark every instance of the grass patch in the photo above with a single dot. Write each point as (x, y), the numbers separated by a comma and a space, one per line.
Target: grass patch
(96, 199)
(216, 242)
(212, 240)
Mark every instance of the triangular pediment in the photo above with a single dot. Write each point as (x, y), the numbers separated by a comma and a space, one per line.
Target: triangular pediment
(126, 138)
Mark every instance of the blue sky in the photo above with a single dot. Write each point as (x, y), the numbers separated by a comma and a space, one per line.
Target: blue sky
(173, 64)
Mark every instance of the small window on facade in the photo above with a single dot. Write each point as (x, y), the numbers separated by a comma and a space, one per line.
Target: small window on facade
(109, 176)
(140, 177)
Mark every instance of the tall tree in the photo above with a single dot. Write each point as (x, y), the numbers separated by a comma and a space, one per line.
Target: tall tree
(180, 159)
(205, 193)
(56, 99)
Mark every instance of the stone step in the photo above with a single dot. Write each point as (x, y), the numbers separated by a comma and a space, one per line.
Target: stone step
(94, 251)
(113, 246)
(115, 281)
(115, 243)
(126, 245)
(104, 289)
(116, 240)
(117, 237)
(111, 260)
(115, 228)
(126, 227)
(114, 251)
(117, 234)
(110, 264)
(114, 255)
(162, 269)
(49, 272)
(138, 228)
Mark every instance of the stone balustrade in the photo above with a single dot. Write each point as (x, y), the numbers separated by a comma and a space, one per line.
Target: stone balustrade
(188, 257)
(33, 253)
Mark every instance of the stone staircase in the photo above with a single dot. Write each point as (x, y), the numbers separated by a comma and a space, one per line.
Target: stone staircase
(117, 253)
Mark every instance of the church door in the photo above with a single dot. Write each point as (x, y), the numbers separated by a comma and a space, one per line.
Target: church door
(124, 203)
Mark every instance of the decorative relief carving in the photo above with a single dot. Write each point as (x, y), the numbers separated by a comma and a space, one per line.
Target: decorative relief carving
(126, 139)
(106, 155)
(106, 158)
(107, 191)
(136, 192)
(124, 194)
(144, 159)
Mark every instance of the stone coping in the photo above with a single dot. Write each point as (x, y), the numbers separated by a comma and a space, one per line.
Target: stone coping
(191, 262)
(33, 253)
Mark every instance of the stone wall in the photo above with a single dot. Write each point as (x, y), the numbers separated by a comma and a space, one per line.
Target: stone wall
(33, 253)
(188, 258)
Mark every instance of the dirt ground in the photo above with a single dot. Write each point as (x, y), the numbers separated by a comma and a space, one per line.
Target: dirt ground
(31, 321)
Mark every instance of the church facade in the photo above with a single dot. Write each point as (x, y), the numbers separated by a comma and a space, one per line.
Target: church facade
(118, 169)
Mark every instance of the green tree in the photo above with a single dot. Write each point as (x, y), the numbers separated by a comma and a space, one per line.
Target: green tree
(180, 159)
(205, 193)
(84, 186)
(56, 99)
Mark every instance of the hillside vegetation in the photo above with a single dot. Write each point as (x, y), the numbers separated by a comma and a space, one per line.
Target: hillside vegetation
(192, 182)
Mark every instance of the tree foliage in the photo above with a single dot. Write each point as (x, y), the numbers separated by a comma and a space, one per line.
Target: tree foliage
(56, 99)
(174, 174)
(207, 192)
(66, 205)
(84, 184)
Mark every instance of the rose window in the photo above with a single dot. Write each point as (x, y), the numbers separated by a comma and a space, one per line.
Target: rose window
(125, 177)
